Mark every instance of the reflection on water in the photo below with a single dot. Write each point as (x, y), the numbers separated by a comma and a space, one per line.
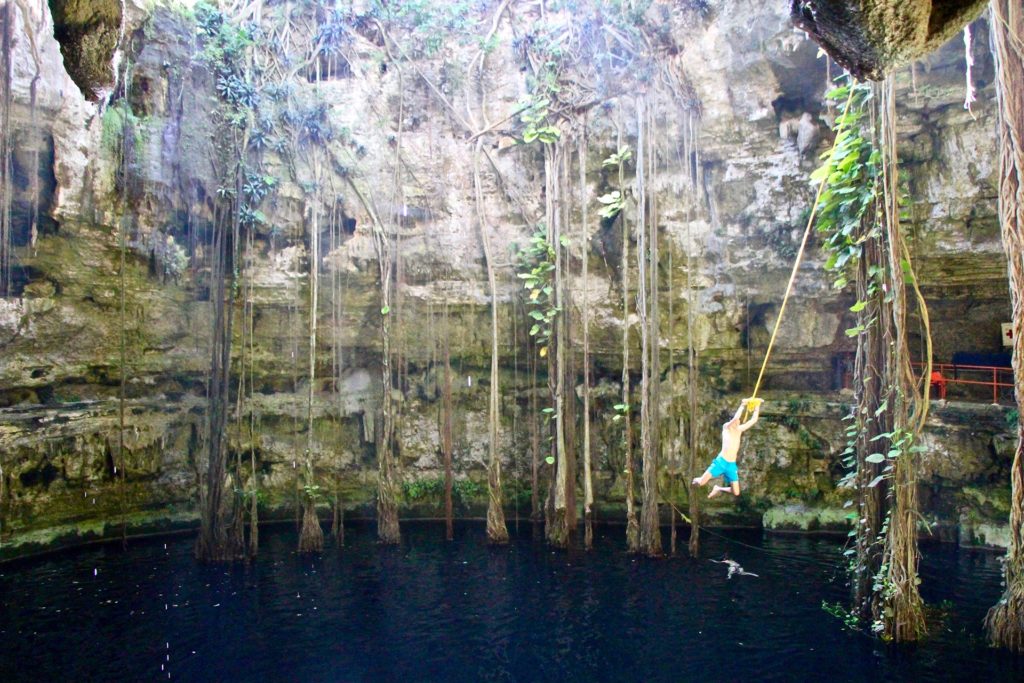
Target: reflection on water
(437, 611)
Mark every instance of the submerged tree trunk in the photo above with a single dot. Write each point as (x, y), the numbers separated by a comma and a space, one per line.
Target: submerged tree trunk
(558, 522)
(446, 429)
(650, 532)
(216, 541)
(535, 511)
(902, 610)
(338, 519)
(632, 525)
(1005, 621)
(254, 516)
(497, 532)
(588, 478)
(870, 390)
(388, 530)
(693, 376)
(892, 405)
(311, 536)
(249, 328)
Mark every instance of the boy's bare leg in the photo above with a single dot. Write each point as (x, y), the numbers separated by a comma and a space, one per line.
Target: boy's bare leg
(735, 487)
(703, 479)
(715, 490)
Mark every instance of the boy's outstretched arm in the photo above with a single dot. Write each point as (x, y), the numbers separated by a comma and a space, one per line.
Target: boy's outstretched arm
(739, 413)
(753, 419)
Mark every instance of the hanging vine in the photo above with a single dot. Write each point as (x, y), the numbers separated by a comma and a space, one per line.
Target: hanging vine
(859, 216)
(1005, 620)
(6, 151)
(224, 54)
(646, 307)
(614, 203)
(588, 476)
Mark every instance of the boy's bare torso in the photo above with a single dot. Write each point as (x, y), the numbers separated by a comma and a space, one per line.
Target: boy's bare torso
(731, 434)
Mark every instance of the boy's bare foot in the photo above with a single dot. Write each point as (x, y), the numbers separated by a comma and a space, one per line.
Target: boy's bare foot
(715, 491)
(695, 482)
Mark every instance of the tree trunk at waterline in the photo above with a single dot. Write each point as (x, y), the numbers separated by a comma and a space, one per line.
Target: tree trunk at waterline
(311, 537)
(1005, 621)
(647, 303)
(497, 533)
(216, 541)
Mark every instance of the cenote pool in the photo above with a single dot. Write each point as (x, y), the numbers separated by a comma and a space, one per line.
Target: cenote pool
(437, 611)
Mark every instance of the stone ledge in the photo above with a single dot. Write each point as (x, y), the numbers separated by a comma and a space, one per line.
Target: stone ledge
(50, 539)
(799, 517)
(992, 535)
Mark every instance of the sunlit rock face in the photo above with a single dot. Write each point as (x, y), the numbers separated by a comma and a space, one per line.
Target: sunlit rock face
(734, 153)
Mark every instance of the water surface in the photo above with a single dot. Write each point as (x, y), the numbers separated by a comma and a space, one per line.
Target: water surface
(437, 611)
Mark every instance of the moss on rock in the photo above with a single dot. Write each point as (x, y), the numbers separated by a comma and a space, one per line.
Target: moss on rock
(870, 37)
(88, 32)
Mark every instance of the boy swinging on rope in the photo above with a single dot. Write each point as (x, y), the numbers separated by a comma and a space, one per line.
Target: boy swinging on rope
(725, 464)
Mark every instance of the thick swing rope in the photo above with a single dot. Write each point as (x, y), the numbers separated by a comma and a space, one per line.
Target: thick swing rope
(796, 264)
(782, 309)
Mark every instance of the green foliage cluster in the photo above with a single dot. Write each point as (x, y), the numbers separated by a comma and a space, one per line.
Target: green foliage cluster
(901, 441)
(224, 52)
(261, 107)
(313, 492)
(464, 491)
(849, 619)
(534, 115)
(630, 11)
(247, 494)
(333, 33)
(537, 271)
(852, 173)
(614, 202)
(119, 120)
(431, 23)
(420, 489)
(124, 135)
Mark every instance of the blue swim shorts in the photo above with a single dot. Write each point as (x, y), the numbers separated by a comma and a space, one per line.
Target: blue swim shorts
(721, 467)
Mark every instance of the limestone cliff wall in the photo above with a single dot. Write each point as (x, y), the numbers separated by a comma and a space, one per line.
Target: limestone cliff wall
(734, 153)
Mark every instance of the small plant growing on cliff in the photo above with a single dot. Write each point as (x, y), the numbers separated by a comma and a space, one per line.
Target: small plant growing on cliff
(430, 489)
(119, 120)
(614, 202)
(536, 270)
(534, 114)
(124, 135)
(420, 489)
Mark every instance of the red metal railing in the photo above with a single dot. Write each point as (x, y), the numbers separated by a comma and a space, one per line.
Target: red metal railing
(981, 375)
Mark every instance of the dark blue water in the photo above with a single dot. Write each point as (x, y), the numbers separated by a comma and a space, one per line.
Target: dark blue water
(437, 611)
